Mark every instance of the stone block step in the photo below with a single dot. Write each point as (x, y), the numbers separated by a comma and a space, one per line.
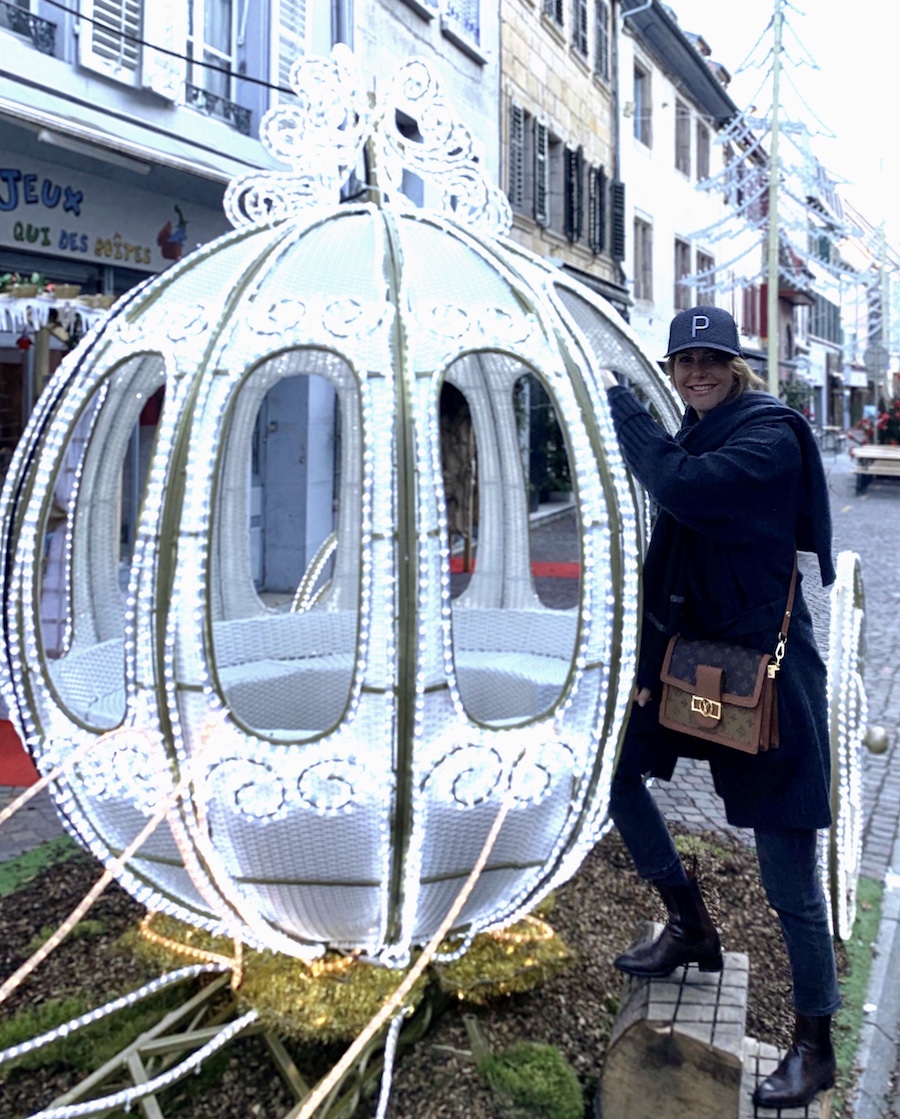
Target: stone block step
(677, 1046)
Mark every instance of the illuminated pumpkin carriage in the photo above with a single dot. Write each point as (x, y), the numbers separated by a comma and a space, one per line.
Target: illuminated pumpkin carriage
(340, 752)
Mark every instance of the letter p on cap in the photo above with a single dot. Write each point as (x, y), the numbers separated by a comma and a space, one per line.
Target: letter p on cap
(699, 322)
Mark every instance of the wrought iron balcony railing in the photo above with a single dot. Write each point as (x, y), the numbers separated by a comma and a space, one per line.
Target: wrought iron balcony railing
(215, 106)
(41, 32)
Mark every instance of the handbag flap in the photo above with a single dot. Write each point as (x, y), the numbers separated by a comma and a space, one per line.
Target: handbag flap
(743, 670)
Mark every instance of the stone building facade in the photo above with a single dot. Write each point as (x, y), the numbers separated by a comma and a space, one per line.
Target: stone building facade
(558, 142)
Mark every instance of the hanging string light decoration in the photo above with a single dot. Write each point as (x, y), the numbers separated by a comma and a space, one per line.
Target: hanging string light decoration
(810, 211)
(342, 760)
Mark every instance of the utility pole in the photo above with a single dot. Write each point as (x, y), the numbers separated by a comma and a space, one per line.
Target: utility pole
(773, 271)
(886, 316)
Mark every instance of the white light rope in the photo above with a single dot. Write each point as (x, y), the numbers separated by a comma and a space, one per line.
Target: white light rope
(88, 1019)
(387, 1074)
(128, 1096)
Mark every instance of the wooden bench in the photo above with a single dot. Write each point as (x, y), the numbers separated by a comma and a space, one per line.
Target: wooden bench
(875, 460)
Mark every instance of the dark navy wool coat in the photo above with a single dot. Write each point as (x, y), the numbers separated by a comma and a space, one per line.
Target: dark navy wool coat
(739, 492)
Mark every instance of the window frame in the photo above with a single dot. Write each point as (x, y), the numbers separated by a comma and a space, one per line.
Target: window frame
(643, 259)
(597, 186)
(642, 121)
(554, 10)
(683, 292)
(541, 173)
(682, 137)
(573, 202)
(601, 41)
(706, 288)
(580, 27)
(704, 150)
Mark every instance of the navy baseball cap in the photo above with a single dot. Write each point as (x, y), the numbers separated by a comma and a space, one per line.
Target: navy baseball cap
(704, 326)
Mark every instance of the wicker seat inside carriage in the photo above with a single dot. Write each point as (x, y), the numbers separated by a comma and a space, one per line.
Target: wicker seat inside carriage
(292, 672)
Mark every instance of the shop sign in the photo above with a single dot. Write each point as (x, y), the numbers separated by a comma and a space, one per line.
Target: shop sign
(45, 208)
(814, 374)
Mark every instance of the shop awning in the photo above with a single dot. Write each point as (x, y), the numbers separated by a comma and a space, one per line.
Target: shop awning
(194, 152)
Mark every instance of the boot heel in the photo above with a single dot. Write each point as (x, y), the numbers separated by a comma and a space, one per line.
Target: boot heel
(711, 963)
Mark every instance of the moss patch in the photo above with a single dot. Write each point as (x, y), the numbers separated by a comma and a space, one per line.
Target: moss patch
(537, 1078)
(88, 1048)
(854, 986)
(14, 873)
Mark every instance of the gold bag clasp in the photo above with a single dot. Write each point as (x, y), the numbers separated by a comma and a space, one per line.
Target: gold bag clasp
(708, 708)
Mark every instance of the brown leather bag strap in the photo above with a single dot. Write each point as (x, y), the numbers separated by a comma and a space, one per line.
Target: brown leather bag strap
(781, 645)
(789, 609)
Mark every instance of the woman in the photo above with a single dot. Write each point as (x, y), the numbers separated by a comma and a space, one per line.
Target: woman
(739, 490)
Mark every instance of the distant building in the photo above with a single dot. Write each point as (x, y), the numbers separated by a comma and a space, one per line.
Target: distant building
(673, 102)
(558, 127)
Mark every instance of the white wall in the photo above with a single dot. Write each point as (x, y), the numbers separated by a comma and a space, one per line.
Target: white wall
(657, 191)
(389, 31)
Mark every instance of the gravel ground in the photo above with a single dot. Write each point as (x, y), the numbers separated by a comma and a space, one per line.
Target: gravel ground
(596, 914)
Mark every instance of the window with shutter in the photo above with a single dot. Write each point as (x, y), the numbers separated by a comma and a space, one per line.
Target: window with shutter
(516, 188)
(462, 18)
(597, 209)
(580, 26)
(541, 173)
(574, 193)
(165, 25)
(601, 41)
(290, 43)
(108, 37)
(554, 10)
(617, 219)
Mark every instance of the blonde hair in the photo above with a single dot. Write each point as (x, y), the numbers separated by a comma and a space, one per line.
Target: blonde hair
(745, 379)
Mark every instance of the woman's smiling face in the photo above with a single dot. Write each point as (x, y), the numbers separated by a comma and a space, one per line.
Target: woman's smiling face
(703, 378)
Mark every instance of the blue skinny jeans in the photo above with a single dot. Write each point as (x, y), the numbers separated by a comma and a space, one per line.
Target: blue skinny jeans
(789, 871)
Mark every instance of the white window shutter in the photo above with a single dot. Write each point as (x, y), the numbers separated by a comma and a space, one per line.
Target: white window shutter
(541, 173)
(290, 42)
(165, 25)
(516, 156)
(108, 38)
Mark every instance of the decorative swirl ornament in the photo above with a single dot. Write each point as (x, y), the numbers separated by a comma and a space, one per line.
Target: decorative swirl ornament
(329, 128)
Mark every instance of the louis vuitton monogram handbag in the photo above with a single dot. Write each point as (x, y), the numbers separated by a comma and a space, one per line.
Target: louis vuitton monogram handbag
(724, 693)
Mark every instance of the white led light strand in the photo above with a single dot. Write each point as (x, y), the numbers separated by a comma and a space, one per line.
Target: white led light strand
(129, 1096)
(88, 1019)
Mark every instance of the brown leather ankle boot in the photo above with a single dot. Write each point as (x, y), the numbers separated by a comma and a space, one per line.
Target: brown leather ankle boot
(806, 1069)
(688, 938)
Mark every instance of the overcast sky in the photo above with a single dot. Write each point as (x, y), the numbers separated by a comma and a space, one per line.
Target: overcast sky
(855, 92)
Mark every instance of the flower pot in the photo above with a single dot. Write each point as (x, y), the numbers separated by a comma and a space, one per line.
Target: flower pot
(24, 291)
(66, 291)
